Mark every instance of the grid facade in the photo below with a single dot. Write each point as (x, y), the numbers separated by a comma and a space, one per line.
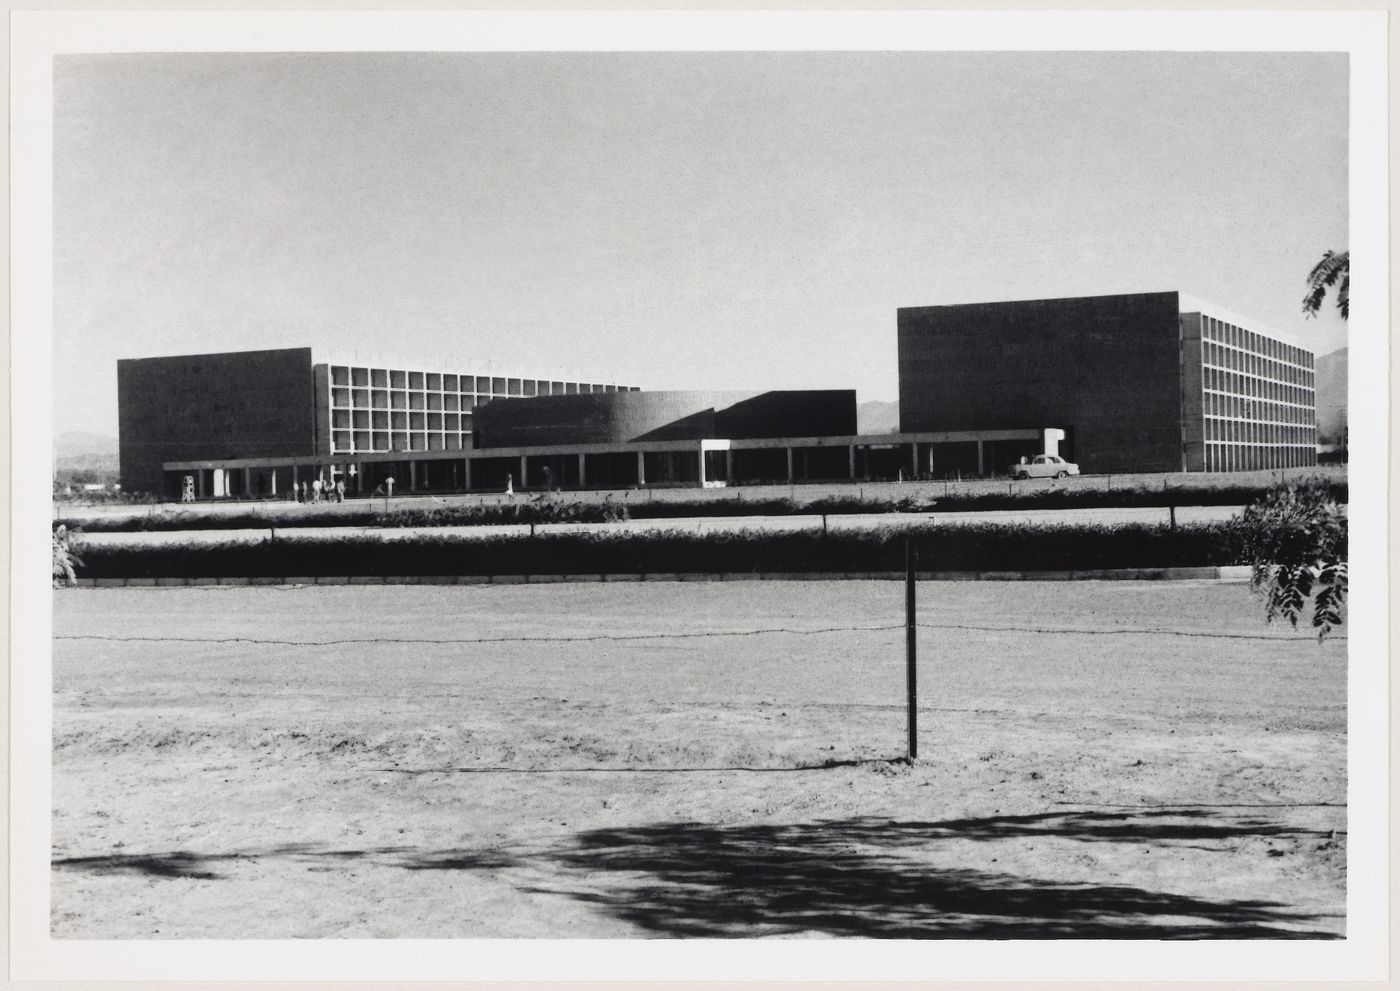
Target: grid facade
(1258, 401)
(369, 409)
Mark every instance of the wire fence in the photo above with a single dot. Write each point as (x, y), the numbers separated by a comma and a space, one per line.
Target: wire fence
(703, 634)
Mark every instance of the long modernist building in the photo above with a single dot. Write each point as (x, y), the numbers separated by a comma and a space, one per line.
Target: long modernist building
(624, 439)
(1148, 382)
(295, 406)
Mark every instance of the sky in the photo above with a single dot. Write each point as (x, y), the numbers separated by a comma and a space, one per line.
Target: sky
(706, 220)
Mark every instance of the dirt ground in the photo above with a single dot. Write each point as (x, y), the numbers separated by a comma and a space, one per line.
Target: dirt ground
(1097, 760)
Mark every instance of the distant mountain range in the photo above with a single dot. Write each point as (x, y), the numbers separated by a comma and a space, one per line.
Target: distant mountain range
(1331, 386)
(81, 444)
(877, 418)
(81, 456)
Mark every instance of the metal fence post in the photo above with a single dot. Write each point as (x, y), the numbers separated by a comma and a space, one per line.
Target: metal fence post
(911, 648)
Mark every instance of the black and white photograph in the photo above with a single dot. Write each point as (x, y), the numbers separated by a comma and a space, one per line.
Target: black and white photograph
(623, 487)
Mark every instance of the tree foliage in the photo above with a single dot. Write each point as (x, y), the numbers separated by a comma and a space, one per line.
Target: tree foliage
(1332, 272)
(1295, 539)
(65, 560)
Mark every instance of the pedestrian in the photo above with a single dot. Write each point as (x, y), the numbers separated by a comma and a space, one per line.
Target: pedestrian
(510, 485)
(340, 490)
(316, 490)
(548, 479)
(298, 491)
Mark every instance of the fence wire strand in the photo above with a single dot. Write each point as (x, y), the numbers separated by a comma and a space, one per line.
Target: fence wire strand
(699, 634)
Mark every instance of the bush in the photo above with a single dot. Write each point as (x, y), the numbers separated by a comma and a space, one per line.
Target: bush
(980, 547)
(1295, 539)
(65, 560)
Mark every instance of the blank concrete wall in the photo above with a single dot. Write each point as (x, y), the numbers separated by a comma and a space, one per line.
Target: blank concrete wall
(1105, 368)
(213, 407)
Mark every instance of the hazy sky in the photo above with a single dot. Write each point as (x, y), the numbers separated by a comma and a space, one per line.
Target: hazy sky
(668, 220)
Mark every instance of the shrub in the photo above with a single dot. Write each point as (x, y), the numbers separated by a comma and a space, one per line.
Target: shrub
(1295, 539)
(978, 547)
(65, 560)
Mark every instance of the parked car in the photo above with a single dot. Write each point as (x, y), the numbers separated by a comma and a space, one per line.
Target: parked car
(1043, 466)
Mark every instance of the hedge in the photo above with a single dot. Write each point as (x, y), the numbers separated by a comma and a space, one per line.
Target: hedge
(975, 547)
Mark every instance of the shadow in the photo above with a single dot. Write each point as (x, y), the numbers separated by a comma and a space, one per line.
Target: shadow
(197, 866)
(823, 766)
(873, 878)
(789, 413)
(861, 877)
(690, 426)
(176, 863)
(1111, 826)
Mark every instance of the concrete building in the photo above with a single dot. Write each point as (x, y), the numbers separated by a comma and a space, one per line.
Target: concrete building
(293, 406)
(1149, 382)
(625, 439)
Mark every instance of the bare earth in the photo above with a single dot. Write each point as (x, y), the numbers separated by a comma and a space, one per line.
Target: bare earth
(1070, 784)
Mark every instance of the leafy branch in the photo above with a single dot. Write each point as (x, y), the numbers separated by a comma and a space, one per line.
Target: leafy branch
(1295, 539)
(1333, 271)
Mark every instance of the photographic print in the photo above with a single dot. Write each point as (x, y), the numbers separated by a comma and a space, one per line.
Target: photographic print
(763, 494)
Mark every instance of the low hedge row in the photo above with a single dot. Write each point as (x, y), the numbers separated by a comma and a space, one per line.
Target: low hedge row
(561, 509)
(985, 547)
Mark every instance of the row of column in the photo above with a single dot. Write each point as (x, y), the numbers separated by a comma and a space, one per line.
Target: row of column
(416, 474)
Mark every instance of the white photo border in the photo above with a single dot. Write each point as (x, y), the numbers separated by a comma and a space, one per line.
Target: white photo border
(36, 37)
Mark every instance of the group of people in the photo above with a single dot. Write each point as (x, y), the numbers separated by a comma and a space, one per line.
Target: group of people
(318, 490)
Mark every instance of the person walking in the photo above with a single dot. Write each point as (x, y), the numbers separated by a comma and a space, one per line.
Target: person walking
(340, 490)
(510, 485)
(316, 490)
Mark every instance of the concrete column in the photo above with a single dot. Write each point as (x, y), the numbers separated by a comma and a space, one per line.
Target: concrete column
(272, 482)
(913, 460)
(641, 469)
(247, 483)
(412, 476)
(851, 453)
(981, 460)
(701, 456)
(467, 473)
(789, 465)
(582, 470)
(728, 466)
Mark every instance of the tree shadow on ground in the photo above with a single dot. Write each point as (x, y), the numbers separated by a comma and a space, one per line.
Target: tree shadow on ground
(866, 877)
(199, 866)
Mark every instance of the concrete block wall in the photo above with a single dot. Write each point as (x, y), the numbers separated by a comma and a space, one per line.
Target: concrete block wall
(245, 404)
(1107, 369)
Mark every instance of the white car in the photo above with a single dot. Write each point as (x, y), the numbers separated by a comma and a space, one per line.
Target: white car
(1043, 466)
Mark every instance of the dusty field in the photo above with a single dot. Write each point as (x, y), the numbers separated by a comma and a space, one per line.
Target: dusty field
(1076, 784)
